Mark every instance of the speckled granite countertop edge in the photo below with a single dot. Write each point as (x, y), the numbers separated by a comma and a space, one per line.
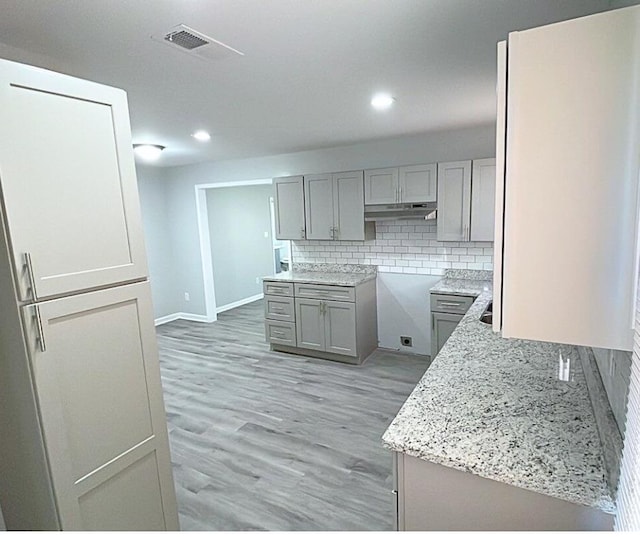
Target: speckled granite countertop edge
(412, 433)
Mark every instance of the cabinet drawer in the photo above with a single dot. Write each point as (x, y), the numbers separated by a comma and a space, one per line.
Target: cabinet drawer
(280, 332)
(450, 303)
(278, 288)
(329, 292)
(279, 308)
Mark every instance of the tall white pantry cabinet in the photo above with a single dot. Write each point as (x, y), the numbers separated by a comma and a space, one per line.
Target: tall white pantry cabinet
(83, 435)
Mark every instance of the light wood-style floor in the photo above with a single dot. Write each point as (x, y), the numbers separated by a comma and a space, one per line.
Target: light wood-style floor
(262, 440)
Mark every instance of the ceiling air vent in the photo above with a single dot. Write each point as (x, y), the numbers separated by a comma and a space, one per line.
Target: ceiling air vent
(196, 44)
(185, 39)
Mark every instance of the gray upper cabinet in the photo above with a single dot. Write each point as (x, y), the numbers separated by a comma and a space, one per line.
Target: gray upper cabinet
(454, 200)
(348, 207)
(289, 208)
(417, 184)
(483, 194)
(334, 207)
(318, 210)
(407, 184)
(381, 186)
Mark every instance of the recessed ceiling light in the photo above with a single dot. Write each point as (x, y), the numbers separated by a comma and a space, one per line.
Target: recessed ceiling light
(382, 101)
(148, 152)
(202, 136)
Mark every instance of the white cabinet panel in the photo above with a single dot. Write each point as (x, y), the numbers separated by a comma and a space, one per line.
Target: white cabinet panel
(309, 324)
(483, 197)
(348, 206)
(100, 403)
(340, 327)
(571, 189)
(318, 196)
(381, 186)
(73, 206)
(418, 184)
(454, 198)
(289, 207)
(129, 501)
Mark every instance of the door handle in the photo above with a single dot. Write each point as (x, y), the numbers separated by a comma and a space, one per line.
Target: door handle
(32, 279)
(41, 341)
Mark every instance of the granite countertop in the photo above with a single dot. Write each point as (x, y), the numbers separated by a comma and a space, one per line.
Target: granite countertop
(348, 279)
(496, 408)
(448, 286)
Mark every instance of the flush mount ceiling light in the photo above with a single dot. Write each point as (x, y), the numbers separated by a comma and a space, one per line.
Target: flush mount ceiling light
(382, 101)
(202, 136)
(148, 152)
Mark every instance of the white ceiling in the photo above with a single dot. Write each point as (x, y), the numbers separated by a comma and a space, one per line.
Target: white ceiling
(309, 70)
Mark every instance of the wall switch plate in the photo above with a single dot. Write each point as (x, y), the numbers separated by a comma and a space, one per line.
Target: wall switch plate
(406, 341)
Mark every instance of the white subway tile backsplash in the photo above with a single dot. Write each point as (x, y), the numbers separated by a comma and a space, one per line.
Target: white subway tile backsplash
(410, 248)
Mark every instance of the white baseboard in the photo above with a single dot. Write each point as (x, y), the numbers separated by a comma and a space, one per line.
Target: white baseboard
(184, 316)
(239, 303)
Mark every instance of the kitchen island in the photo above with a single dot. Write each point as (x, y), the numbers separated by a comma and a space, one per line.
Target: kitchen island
(499, 434)
(323, 311)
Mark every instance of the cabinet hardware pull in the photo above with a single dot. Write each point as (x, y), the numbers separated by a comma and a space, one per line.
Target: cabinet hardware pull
(41, 342)
(400, 194)
(335, 230)
(452, 304)
(302, 233)
(32, 279)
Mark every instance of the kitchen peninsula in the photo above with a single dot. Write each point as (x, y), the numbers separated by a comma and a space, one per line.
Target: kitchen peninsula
(499, 434)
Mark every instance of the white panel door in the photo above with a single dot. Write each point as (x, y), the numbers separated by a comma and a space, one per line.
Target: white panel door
(289, 207)
(340, 327)
(68, 182)
(309, 324)
(572, 181)
(97, 381)
(381, 186)
(348, 206)
(318, 206)
(483, 199)
(454, 200)
(418, 184)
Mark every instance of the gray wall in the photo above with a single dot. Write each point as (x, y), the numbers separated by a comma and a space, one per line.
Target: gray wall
(238, 219)
(152, 189)
(469, 143)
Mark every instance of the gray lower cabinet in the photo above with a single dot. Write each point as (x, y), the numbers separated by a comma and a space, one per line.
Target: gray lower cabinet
(310, 324)
(446, 312)
(433, 497)
(442, 326)
(320, 320)
(326, 325)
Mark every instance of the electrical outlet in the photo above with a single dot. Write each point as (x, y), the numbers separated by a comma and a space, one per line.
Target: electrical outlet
(266, 234)
(257, 279)
(187, 297)
(406, 341)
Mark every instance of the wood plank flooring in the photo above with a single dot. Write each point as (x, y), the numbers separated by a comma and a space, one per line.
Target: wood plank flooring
(263, 440)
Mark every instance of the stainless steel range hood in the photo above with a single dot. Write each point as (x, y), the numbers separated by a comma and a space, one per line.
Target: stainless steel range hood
(401, 211)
